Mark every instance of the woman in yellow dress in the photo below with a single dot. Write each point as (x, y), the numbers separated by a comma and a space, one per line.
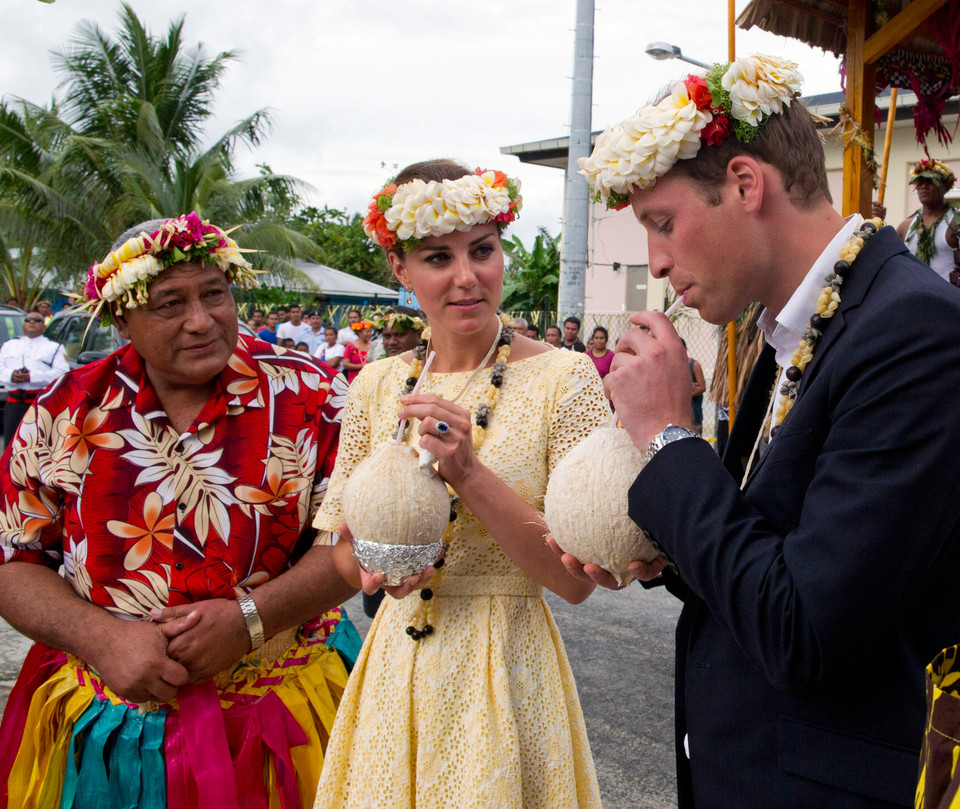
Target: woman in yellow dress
(462, 695)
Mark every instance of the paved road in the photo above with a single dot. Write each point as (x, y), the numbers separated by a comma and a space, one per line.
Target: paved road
(621, 649)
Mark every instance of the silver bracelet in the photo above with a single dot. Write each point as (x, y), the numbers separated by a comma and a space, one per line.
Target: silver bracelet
(251, 617)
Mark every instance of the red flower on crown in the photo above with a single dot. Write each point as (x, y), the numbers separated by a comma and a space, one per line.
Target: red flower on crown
(500, 180)
(375, 222)
(698, 91)
(718, 130)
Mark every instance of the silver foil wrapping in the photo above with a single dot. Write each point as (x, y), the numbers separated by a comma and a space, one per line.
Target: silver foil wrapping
(397, 561)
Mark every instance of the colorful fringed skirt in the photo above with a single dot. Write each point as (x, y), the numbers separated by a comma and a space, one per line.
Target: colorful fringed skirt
(253, 737)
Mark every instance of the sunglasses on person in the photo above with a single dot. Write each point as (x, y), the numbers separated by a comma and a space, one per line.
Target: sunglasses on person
(33, 320)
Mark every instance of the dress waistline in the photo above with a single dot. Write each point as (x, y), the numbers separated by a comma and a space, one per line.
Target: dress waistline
(461, 586)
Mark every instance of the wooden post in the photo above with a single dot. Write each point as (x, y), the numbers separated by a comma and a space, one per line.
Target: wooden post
(887, 140)
(731, 326)
(861, 106)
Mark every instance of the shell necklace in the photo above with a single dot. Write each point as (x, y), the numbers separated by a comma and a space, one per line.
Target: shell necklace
(484, 410)
(827, 305)
(481, 419)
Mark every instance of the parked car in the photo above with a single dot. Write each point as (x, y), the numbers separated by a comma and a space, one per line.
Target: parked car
(11, 327)
(83, 338)
(84, 343)
(11, 323)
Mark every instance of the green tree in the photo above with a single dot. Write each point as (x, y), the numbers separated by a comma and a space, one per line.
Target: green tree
(342, 244)
(137, 88)
(533, 275)
(122, 145)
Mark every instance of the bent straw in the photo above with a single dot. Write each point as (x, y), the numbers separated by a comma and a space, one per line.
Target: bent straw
(416, 388)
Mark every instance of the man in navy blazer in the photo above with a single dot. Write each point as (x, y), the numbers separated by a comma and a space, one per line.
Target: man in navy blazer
(815, 594)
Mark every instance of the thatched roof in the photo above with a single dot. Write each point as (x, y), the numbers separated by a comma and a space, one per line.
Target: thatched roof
(817, 22)
(821, 23)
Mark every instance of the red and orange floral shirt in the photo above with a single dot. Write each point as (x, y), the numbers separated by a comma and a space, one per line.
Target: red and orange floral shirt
(98, 480)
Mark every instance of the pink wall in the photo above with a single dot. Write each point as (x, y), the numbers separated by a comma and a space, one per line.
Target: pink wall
(617, 236)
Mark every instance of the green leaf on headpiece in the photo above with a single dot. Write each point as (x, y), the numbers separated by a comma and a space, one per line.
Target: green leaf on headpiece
(745, 132)
(718, 94)
(618, 200)
(384, 202)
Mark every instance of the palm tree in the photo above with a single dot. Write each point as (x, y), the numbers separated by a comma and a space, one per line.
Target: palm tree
(533, 274)
(139, 89)
(53, 199)
(122, 145)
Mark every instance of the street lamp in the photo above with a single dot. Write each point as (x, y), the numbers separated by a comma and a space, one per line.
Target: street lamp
(664, 50)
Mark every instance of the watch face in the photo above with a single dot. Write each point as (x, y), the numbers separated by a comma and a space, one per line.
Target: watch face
(672, 433)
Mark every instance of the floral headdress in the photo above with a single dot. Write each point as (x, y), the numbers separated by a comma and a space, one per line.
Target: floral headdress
(361, 325)
(401, 321)
(125, 273)
(418, 209)
(935, 171)
(733, 99)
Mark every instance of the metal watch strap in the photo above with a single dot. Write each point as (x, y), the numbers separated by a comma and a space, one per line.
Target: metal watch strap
(251, 617)
(660, 440)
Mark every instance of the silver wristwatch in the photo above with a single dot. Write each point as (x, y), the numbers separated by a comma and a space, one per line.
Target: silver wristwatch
(251, 617)
(669, 434)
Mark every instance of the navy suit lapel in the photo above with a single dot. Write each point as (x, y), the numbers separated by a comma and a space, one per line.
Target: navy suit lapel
(857, 283)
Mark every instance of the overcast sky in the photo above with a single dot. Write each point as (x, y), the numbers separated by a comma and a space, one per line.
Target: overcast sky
(356, 88)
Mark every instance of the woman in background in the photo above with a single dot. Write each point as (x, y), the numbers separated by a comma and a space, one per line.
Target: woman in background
(355, 354)
(598, 351)
(330, 351)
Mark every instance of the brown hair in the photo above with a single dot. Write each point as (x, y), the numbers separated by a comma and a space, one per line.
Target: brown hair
(788, 141)
(436, 170)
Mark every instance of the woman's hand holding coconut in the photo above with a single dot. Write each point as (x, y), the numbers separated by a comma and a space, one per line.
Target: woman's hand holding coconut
(453, 448)
(371, 582)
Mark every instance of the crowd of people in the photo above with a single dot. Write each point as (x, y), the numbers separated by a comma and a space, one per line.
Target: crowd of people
(391, 331)
(174, 534)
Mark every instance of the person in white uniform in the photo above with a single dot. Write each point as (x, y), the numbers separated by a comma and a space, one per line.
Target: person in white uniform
(27, 365)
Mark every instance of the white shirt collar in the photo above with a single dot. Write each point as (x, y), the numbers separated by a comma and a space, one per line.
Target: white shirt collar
(784, 330)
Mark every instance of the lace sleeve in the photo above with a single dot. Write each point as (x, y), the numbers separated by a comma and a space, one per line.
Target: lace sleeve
(354, 447)
(579, 407)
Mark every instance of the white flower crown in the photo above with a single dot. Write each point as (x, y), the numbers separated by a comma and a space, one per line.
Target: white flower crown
(732, 99)
(418, 209)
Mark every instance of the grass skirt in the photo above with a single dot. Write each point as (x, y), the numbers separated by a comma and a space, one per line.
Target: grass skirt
(253, 737)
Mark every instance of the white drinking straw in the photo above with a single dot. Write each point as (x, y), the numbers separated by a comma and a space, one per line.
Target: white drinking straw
(674, 307)
(416, 388)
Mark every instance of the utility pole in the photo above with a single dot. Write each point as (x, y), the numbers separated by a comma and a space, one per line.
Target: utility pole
(576, 212)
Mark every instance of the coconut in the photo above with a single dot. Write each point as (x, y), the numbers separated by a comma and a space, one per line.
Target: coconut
(389, 499)
(585, 506)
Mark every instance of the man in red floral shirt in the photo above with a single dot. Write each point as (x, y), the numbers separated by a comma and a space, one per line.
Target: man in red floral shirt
(171, 484)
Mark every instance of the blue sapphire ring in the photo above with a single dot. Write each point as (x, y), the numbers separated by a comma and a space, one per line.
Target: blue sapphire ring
(442, 429)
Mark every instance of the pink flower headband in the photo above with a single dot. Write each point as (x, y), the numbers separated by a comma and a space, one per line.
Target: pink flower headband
(935, 171)
(125, 273)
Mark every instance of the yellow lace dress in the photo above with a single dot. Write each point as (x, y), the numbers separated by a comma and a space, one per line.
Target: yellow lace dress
(483, 713)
